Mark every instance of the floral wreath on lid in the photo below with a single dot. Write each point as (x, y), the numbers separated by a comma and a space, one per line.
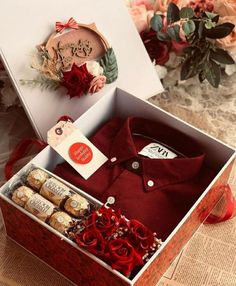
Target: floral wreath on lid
(76, 56)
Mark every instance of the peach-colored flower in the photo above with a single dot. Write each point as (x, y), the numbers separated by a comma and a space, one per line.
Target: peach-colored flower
(229, 42)
(141, 17)
(225, 7)
(147, 3)
(162, 5)
(97, 83)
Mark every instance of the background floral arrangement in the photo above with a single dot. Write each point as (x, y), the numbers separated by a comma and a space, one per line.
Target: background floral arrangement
(125, 245)
(178, 33)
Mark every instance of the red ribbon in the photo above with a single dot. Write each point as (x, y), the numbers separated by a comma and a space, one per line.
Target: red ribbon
(72, 24)
(23, 148)
(19, 152)
(229, 209)
(65, 118)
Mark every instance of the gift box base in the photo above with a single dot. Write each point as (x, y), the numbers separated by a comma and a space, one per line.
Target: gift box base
(83, 268)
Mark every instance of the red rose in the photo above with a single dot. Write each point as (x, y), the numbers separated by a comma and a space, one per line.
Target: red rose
(122, 256)
(140, 237)
(77, 80)
(105, 220)
(91, 240)
(157, 50)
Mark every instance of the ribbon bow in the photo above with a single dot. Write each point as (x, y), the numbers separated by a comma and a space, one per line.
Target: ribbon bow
(70, 24)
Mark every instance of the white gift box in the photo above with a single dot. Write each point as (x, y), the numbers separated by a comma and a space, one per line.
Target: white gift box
(119, 103)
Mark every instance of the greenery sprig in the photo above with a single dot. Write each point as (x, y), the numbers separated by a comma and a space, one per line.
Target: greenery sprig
(42, 82)
(202, 57)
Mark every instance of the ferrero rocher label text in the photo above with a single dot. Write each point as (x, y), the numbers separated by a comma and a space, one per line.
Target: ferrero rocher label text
(56, 189)
(39, 204)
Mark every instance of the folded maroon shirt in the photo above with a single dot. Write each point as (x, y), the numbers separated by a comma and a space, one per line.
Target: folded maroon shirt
(156, 191)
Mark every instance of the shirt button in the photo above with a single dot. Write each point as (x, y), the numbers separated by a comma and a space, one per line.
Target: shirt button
(135, 165)
(150, 183)
(111, 200)
(113, 159)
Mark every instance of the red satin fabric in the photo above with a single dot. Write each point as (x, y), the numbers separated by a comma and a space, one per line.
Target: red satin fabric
(229, 210)
(20, 152)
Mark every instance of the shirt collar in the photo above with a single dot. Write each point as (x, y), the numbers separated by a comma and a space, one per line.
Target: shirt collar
(157, 173)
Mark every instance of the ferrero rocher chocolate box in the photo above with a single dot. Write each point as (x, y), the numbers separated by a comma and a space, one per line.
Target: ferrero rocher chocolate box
(75, 263)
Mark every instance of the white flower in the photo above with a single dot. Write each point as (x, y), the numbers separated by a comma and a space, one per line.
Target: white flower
(174, 61)
(161, 71)
(230, 69)
(94, 68)
(8, 97)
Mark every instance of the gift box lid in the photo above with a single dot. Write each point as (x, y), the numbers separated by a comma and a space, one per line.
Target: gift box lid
(24, 25)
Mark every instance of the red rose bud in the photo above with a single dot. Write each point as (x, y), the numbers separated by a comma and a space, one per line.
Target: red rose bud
(141, 237)
(91, 240)
(77, 80)
(122, 256)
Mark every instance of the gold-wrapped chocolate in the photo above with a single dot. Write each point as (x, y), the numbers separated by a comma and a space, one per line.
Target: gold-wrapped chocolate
(21, 195)
(36, 179)
(40, 207)
(76, 205)
(60, 221)
(54, 191)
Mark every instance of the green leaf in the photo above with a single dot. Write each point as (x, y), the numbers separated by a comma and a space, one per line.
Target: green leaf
(163, 36)
(220, 31)
(209, 24)
(210, 15)
(212, 73)
(201, 76)
(189, 27)
(109, 64)
(189, 68)
(172, 13)
(189, 50)
(186, 13)
(173, 32)
(216, 19)
(42, 82)
(156, 23)
(221, 56)
(200, 29)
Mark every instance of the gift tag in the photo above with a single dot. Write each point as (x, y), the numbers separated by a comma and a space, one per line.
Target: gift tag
(75, 148)
(157, 151)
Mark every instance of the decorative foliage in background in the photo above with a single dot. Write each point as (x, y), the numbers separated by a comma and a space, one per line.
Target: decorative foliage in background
(201, 34)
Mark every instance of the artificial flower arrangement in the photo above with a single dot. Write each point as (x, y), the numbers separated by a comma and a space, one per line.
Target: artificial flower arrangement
(77, 57)
(196, 36)
(126, 245)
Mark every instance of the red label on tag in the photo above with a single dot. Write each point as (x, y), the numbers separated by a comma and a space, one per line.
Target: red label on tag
(80, 153)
